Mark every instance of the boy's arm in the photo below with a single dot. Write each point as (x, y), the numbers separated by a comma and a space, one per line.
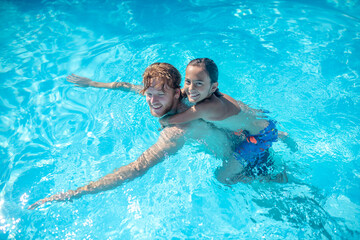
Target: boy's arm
(169, 142)
(205, 110)
(193, 113)
(86, 82)
(284, 136)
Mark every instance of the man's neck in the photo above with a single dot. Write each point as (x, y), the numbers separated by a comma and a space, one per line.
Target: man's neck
(183, 105)
(177, 107)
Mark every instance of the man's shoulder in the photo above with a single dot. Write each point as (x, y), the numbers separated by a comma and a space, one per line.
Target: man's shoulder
(172, 137)
(174, 132)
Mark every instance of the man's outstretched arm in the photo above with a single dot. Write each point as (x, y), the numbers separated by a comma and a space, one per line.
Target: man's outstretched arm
(156, 153)
(87, 82)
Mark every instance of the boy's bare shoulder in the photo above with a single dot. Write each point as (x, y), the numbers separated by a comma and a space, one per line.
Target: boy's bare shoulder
(210, 104)
(210, 109)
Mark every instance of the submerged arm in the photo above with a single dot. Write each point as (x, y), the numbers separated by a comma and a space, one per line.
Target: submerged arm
(87, 82)
(290, 143)
(152, 156)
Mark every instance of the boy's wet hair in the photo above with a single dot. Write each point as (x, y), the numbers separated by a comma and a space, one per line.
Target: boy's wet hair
(165, 73)
(210, 67)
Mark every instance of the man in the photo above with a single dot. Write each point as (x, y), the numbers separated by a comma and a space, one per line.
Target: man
(162, 90)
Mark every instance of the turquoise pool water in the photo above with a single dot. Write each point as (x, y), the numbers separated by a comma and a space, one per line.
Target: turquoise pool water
(298, 59)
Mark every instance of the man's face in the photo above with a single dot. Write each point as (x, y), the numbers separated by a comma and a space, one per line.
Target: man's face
(161, 100)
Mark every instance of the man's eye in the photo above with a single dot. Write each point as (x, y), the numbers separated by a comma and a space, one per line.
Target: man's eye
(148, 94)
(161, 94)
(198, 84)
(187, 82)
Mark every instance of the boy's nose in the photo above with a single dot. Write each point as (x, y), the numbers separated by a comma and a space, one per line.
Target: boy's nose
(191, 86)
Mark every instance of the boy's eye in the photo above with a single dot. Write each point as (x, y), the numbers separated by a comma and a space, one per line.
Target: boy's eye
(161, 94)
(148, 94)
(198, 84)
(187, 82)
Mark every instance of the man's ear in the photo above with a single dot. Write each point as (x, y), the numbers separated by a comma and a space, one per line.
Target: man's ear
(214, 87)
(177, 93)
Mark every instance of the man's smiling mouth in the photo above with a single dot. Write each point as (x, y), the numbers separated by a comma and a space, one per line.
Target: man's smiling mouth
(156, 107)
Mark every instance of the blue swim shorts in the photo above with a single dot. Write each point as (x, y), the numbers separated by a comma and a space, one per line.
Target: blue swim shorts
(253, 152)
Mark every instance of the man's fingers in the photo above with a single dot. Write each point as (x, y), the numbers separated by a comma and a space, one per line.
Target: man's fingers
(57, 197)
(32, 206)
(70, 78)
(35, 205)
(73, 76)
(73, 79)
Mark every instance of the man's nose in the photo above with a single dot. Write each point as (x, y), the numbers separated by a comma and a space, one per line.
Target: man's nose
(153, 99)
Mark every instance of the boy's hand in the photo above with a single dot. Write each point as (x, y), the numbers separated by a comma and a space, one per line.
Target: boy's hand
(290, 143)
(79, 81)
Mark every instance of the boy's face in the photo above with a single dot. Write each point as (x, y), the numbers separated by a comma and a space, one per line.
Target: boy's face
(197, 84)
(161, 100)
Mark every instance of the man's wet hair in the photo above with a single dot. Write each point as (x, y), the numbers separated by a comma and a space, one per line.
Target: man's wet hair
(165, 73)
(210, 67)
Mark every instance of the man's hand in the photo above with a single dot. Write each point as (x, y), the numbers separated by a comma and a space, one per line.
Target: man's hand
(86, 82)
(60, 197)
(80, 81)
